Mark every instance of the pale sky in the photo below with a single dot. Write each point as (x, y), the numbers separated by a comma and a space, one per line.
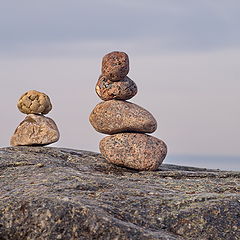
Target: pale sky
(184, 57)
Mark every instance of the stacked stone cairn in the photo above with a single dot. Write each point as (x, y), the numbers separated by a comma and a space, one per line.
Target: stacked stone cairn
(35, 129)
(127, 123)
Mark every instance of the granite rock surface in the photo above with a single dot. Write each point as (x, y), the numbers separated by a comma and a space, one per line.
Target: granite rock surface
(115, 65)
(35, 130)
(34, 102)
(123, 90)
(115, 116)
(134, 150)
(55, 193)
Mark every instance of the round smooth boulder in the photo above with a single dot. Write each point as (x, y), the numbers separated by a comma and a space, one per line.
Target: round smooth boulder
(35, 130)
(133, 150)
(116, 116)
(34, 102)
(115, 65)
(121, 90)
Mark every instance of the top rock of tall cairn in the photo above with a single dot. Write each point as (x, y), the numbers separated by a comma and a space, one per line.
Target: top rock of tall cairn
(115, 65)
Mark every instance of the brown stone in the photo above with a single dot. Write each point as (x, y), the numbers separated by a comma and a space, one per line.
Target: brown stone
(122, 90)
(115, 65)
(115, 116)
(133, 150)
(35, 130)
(34, 102)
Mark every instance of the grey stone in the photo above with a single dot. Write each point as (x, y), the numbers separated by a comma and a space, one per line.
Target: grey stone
(134, 150)
(115, 116)
(55, 193)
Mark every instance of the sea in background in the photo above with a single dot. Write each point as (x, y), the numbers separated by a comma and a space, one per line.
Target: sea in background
(214, 162)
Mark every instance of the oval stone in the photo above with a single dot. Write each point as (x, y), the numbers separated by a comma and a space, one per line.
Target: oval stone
(121, 90)
(115, 116)
(133, 150)
(34, 102)
(115, 65)
(35, 130)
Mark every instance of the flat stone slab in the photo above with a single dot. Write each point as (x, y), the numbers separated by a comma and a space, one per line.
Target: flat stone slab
(55, 193)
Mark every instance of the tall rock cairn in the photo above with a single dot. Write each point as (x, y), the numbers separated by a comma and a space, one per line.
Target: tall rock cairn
(35, 129)
(127, 123)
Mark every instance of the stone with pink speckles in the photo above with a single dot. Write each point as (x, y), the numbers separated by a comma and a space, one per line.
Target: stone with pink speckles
(121, 90)
(115, 65)
(134, 150)
(116, 116)
(127, 123)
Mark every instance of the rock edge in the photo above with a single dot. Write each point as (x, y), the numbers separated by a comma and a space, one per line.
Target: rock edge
(55, 193)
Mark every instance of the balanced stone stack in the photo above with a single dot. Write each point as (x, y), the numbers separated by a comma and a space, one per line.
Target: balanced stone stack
(35, 129)
(127, 123)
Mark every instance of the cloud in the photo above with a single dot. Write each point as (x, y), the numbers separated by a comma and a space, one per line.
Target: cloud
(173, 26)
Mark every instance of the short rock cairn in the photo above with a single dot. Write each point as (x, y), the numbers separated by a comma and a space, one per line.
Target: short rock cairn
(35, 129)
(127, 123)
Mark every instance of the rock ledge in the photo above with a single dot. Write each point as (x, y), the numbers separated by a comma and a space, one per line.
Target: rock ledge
(56, 193)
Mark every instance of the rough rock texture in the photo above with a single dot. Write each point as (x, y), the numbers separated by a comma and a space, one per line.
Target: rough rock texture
(35, 130)
(115, 65)
(34, 102)
(133, 150)
(122, 90)
(115, 116)
(50, 193)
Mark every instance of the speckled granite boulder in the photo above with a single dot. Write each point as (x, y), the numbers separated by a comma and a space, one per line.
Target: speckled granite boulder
(35, 130)
(122, 90)
(115, 65)
(133, 150)
(55, 193)
(115, 116)
(34, 102)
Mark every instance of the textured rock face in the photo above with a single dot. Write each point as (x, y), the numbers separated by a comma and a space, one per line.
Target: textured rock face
(50, 193)
(115, 65)
(133, 150)
(35, 130)
(116, 116)
(122, 90)
(34, 102)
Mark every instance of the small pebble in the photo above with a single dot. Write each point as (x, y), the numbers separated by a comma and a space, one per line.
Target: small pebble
(121, 90)
(115, 65)
(34, 102)
(40, 165)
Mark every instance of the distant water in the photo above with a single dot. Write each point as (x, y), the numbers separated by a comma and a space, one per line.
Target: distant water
(214, 162)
